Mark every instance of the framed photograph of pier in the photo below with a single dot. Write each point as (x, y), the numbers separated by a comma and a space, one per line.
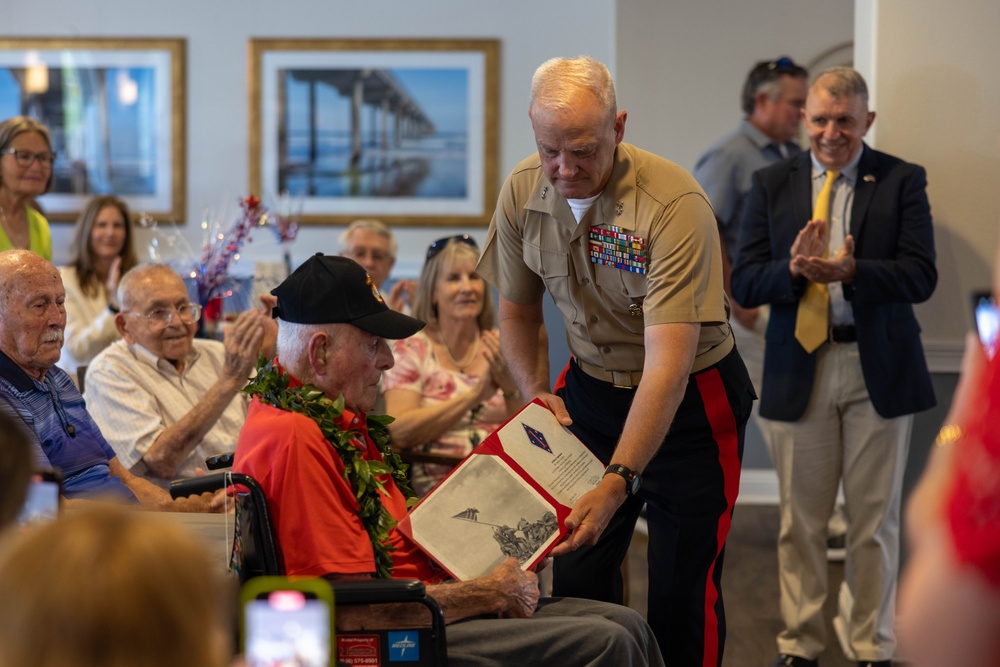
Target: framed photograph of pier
(115, 111)
(400, 130)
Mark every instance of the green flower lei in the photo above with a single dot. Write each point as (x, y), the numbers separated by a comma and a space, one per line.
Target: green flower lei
(271, 387)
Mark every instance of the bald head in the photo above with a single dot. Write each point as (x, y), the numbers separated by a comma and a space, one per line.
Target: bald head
(32, 311)
(135, 283)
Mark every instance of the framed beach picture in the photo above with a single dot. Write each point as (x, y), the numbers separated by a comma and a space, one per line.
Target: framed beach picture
(400, 130)
(115, 111)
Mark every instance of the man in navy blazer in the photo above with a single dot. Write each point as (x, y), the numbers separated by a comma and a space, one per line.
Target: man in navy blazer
(844, 411)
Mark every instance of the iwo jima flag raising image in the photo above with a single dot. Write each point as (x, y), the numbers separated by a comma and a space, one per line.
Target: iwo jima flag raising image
(509, 497)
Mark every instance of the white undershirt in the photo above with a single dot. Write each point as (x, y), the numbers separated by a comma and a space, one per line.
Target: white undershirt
(581, 206)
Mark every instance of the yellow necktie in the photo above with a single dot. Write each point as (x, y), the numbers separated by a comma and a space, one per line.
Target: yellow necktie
(813, 320)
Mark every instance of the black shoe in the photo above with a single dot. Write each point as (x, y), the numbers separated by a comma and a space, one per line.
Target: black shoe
(836, 551)
(875, 663)
(785, 660)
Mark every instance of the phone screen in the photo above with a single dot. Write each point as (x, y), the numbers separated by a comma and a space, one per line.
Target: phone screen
(987, 320)
(42, 501)
(287, 627)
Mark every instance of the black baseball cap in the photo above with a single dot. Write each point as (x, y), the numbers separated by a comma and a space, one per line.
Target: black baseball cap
(328, 289)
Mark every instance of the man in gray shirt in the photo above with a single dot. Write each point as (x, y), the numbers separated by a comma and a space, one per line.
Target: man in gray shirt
(772, 101)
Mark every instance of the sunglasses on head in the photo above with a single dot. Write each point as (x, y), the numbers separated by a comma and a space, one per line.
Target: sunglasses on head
(784, 62)
(439, 245)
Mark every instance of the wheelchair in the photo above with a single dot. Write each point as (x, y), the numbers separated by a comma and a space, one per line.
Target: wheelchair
(255, 553)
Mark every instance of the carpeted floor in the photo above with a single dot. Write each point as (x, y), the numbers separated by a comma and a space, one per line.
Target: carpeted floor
(750, 587)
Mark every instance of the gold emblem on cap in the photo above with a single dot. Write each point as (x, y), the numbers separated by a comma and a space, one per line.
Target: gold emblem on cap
(375, 292)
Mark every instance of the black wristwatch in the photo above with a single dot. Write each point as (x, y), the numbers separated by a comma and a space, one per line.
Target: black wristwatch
(633, 480)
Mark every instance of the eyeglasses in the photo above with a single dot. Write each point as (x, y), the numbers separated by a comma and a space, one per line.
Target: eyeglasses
(188, 313)
(440, 244)
(26, 158)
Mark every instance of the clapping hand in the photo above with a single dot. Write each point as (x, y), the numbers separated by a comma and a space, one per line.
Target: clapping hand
(840, 268)
(499, 372)
(242, 341)
(114, 276)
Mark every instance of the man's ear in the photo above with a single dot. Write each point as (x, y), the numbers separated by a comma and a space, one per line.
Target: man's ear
(319, 350)
(121, 323)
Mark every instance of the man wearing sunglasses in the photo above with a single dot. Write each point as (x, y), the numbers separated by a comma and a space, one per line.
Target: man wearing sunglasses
(165, 400)
(772, 100)
(627, 245)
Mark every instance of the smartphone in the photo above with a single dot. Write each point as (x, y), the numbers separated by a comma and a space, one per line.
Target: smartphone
(987, 319)
(44, 498)
(287, 622)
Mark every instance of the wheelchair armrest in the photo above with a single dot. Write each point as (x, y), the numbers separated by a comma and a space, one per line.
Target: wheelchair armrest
(217, 480)
(373, 591)
(377, 591)
(193, 486)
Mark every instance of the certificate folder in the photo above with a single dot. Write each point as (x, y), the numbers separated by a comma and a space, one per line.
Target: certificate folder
(509, 497)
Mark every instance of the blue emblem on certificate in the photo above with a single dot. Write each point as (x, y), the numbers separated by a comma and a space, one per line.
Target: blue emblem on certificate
(536, 438)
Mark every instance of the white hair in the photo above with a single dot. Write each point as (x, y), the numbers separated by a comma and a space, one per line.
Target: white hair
(375, 226)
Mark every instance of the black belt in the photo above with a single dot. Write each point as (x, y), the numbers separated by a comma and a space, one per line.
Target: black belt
(846, 333)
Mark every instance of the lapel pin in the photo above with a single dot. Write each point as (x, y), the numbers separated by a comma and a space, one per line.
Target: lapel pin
(619, 208)
(868, 178)
(545, 191)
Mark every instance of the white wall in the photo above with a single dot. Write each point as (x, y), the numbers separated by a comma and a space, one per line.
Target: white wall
(217, 32)
(681, 65)
(678, 66)
(937, 94)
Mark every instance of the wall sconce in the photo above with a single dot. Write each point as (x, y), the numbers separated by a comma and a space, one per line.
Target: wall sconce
(128, 89)
(36, 75)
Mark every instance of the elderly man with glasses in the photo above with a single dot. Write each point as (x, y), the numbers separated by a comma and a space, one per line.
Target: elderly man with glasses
(164, 399)
(371, 244)
(43, 398)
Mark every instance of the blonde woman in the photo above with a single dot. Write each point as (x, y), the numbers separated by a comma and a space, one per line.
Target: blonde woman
(450, 386)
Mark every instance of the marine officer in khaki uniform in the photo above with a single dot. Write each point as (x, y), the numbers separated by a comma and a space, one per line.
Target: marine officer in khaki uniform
(627, 245)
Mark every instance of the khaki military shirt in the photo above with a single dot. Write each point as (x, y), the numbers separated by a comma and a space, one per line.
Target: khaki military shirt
(535, 244)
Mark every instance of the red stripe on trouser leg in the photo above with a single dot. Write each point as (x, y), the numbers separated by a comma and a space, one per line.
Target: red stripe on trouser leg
(723, 423)
(561, 380)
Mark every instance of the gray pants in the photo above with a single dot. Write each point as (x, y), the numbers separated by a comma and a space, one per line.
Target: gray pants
(567, 632)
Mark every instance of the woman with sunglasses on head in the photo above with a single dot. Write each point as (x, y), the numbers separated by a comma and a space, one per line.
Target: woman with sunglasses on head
(101, 253)
(450, 387)
(26, 159)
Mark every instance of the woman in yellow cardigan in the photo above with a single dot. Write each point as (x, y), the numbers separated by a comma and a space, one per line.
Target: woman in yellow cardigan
(26, 159)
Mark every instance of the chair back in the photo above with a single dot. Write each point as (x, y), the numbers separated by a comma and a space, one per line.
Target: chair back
(255, 552)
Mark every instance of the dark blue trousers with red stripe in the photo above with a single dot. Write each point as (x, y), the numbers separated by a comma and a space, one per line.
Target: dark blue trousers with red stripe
(689, 490)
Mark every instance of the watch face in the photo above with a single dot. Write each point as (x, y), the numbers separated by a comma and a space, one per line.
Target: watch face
(632, 479)
(634, 484)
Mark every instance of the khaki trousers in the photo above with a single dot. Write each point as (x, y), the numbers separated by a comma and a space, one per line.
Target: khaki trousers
(839, 439)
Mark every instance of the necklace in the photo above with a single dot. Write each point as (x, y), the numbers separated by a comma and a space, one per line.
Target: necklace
(271, 386)
(17, 240)
(454, 362)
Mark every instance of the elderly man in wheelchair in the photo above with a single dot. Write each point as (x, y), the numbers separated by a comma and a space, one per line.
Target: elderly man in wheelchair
(300, 437)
